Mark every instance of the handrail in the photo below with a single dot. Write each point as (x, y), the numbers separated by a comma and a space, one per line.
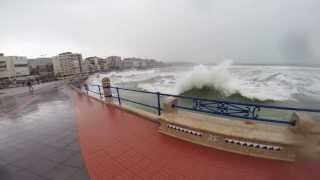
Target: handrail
(217, 107)
(154, 107)
(235, 116)
(135, 90)
(245, 104)
(220, 101)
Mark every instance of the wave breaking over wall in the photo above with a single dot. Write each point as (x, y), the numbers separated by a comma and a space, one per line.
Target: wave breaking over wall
(216, 77)
(225, 81)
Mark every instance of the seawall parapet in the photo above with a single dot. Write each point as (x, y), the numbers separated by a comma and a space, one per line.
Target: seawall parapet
(247, 137)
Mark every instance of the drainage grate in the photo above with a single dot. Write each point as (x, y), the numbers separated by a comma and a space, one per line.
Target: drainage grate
(252, 145)
(184, 130)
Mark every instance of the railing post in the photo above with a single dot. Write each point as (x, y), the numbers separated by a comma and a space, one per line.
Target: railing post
(169, 105)
(118, 95)
(159, 107)
(106, 88)
(99, 91)
(86, 87)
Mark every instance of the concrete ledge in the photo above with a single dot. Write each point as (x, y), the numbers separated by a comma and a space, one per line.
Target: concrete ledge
(281, 134)
(138, 112)
(234, 148)
(237, 136)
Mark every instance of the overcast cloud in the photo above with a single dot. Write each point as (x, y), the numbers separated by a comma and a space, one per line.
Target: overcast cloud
(208, 31)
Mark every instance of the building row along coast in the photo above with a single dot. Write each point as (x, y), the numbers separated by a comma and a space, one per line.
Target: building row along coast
(16, 70)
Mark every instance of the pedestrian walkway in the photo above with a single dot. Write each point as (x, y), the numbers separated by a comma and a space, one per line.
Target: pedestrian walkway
(39, 140)
(119, 145)
(24, 90)
(39, 136)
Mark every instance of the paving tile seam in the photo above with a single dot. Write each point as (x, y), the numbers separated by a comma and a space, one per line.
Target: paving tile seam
(25, 101)
(213, 162)
(128, 168)
(23, 169)
(30, 168)
(40, 175)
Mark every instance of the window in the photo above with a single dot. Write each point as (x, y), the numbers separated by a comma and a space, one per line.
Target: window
(3, 65)
(21, 65)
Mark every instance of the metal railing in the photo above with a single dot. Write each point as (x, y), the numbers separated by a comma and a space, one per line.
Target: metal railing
(249, 111)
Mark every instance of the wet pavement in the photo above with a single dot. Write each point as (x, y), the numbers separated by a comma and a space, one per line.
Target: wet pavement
(39, 136)
(39, 140)
(24, 90)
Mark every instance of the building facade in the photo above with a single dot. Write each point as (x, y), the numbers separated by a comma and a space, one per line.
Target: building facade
(133, 62)
(96, 64)
(139, 63)
(41, 66)
(12, 67)
(66, 64)
(21, 66)
(114, 62)
(103, 65)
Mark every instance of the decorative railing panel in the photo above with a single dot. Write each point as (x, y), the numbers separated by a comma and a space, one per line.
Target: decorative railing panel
(226, 108)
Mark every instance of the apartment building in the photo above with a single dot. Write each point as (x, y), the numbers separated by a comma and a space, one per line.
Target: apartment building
(66, 64)
(12, 67)
(41, 66)
(96, 64)
(114, 62)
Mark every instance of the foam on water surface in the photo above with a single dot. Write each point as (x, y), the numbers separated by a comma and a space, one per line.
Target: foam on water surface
(276, 83)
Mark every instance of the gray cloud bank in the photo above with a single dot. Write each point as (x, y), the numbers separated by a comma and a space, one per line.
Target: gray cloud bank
(247, 31)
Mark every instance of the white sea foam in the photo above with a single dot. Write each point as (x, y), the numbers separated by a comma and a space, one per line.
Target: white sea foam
(132, 75)
(220, 78)
(255, 82)
(217, 77)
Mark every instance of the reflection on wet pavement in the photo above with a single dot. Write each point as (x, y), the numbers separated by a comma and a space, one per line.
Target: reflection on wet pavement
(38, 137)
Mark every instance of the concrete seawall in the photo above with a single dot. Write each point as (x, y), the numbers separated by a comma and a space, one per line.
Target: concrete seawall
(123, 143)
(233, 135)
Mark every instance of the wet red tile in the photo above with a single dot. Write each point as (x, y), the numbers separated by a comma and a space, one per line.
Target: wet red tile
(126, 175)
(118, 145)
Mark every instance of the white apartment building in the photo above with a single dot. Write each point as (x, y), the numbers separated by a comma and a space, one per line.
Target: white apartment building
(132, 62)
(13, 66)
(42, 67)
(114, 62)
(96, 64)
(127, 64)
(67, 63)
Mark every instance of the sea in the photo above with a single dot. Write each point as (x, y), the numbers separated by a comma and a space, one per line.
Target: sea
(291, 86)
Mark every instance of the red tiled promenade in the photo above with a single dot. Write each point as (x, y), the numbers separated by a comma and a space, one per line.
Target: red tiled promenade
(119, 145)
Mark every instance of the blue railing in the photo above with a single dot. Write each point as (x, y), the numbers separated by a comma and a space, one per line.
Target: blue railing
(248, 111)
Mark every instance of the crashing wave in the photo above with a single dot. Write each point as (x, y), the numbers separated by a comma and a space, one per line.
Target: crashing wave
(218, 79)
(257, 83)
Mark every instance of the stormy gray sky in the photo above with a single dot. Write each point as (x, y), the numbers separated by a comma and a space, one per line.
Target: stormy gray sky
(208, 31)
